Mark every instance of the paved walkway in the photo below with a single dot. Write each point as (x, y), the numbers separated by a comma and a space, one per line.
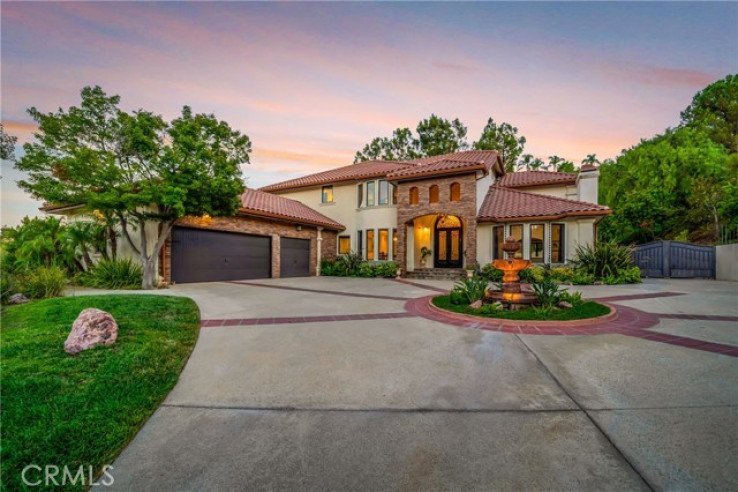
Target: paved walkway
(347, 384)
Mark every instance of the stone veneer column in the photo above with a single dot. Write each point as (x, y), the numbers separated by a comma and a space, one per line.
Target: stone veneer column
(275, 256)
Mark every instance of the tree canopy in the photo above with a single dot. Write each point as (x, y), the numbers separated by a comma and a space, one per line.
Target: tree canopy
(135, 167)
(504, 139)
(7, 144)
(682, 184)
(714, 111)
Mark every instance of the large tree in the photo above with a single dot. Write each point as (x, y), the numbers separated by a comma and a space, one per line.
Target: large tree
(401, 146)
(504, 139)
(7, 144)
(135, 167)
(714, 110)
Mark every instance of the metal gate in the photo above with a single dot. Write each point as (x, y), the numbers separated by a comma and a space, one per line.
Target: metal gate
(212, 256)
(294, 257)
(674, 259)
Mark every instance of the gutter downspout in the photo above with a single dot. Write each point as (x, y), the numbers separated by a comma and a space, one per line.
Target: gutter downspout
(320, 251)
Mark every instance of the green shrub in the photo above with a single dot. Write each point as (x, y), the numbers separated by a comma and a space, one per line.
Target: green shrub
(42, 282)
(328, 268)
(603, 259)
(7, 286)
(365, 270)
(386, 269)
(582, 278)
(457, 297)
(547, 291)
(532, 274)
(114, 274)
(631, 275)
(470, 289)
(564, 275)
(348, 265)
(573, 298)
(491, 274)
(490, 308)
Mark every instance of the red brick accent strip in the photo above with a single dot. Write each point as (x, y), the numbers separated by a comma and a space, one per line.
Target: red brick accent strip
(421, 286)
(703, 317)
(302, 319)
(319, 291)
(635, 297)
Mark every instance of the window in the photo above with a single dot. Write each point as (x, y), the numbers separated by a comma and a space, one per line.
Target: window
(433, 194)
(327, 194)
(370, 193)
(383, 244)
(360, 243)
(360, 195)
(558, 240)
(455, 192)
(394, 194)
(344, 245)
(394, 244)
(516, 231)
(383, 192)
(370, 244)
(498, 239)
(413, 196)
(537, 248)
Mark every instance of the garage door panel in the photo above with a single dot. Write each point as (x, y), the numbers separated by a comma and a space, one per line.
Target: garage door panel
(294, 258)
(211, 256)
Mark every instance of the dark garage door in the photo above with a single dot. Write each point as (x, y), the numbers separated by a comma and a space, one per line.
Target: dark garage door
(294, 257)
(211, 256)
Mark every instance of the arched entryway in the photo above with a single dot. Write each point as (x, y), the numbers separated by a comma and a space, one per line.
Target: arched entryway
(449, 234)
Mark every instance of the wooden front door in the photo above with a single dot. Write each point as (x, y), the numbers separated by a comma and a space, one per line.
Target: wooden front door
(448, 242)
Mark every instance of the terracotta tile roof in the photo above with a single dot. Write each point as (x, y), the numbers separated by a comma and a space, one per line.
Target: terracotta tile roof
(466, 161)
(255, 202)
(507, 205)
(362, 170)
(523, 179)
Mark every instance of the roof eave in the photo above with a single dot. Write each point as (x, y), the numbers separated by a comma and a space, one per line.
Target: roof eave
(450, 172)
(536, 185)
(290, 220)
(589, 213)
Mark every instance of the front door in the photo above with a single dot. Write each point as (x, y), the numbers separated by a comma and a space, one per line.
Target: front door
(448, 242)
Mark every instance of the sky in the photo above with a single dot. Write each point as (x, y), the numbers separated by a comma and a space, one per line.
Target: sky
(311, 83)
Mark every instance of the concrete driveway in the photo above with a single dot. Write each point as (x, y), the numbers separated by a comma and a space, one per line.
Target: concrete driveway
(331, 384)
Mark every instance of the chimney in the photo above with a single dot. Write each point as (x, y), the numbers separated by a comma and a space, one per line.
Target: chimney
(587, 180)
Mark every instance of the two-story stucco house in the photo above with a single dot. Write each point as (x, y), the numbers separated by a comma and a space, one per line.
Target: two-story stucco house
(455, 208)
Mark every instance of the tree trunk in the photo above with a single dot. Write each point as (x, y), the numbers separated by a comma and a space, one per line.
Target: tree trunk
(149, 271)
(87, 258)
(113, 243)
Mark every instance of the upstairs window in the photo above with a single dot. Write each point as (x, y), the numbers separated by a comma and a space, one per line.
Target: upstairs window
(360, 195)
(370, 193)
(433, 194)
(383, 192)
(327, 194)
(414, 196)
(455, 192)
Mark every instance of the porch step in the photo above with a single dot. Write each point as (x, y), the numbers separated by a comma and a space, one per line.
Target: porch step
(437, 273)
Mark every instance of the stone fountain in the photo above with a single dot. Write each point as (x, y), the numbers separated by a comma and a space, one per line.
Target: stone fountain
(511, 295)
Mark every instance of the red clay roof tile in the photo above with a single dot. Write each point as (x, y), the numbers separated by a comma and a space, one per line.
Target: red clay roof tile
(523, 179)
(362, 170)
(506, 205)
(255, 202)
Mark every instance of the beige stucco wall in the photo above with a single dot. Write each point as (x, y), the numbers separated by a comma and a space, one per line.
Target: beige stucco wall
(726, 262)
(484, 243)
(345, 210)
(559, 191)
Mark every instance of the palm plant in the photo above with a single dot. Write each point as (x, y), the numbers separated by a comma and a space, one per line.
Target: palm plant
(591, 159)
(603, 259)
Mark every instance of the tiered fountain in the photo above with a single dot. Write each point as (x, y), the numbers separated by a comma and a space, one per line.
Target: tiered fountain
(511, 295)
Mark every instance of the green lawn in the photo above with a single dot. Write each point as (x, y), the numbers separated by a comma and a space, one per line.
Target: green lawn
(588, 309)
(63, 410)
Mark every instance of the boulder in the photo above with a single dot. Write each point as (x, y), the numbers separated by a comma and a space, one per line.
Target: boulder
(17, 299)
(92, 327)
(565, 305)
(476, 304)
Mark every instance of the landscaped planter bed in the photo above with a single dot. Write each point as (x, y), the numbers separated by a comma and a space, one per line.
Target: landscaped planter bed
(588, 310)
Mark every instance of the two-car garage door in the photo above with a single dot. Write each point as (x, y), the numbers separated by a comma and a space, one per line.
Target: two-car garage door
(210, 256)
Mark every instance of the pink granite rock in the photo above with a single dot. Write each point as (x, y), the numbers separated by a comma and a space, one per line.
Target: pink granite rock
(92, 327)
(476, 304)
(565, 305)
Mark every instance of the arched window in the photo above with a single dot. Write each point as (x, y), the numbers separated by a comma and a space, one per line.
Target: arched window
(433, 194)
(455, 192)
(413, 196)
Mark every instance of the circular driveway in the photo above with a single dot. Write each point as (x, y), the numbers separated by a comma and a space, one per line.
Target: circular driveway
(333, 384)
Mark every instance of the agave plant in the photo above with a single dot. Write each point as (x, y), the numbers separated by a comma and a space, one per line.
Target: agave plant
(603, 259)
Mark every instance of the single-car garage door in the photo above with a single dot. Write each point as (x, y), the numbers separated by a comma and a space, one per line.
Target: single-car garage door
(211, 256)
(294, 257)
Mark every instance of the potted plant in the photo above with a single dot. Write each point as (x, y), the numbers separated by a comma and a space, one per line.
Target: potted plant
(425, 252)
(470, 270)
